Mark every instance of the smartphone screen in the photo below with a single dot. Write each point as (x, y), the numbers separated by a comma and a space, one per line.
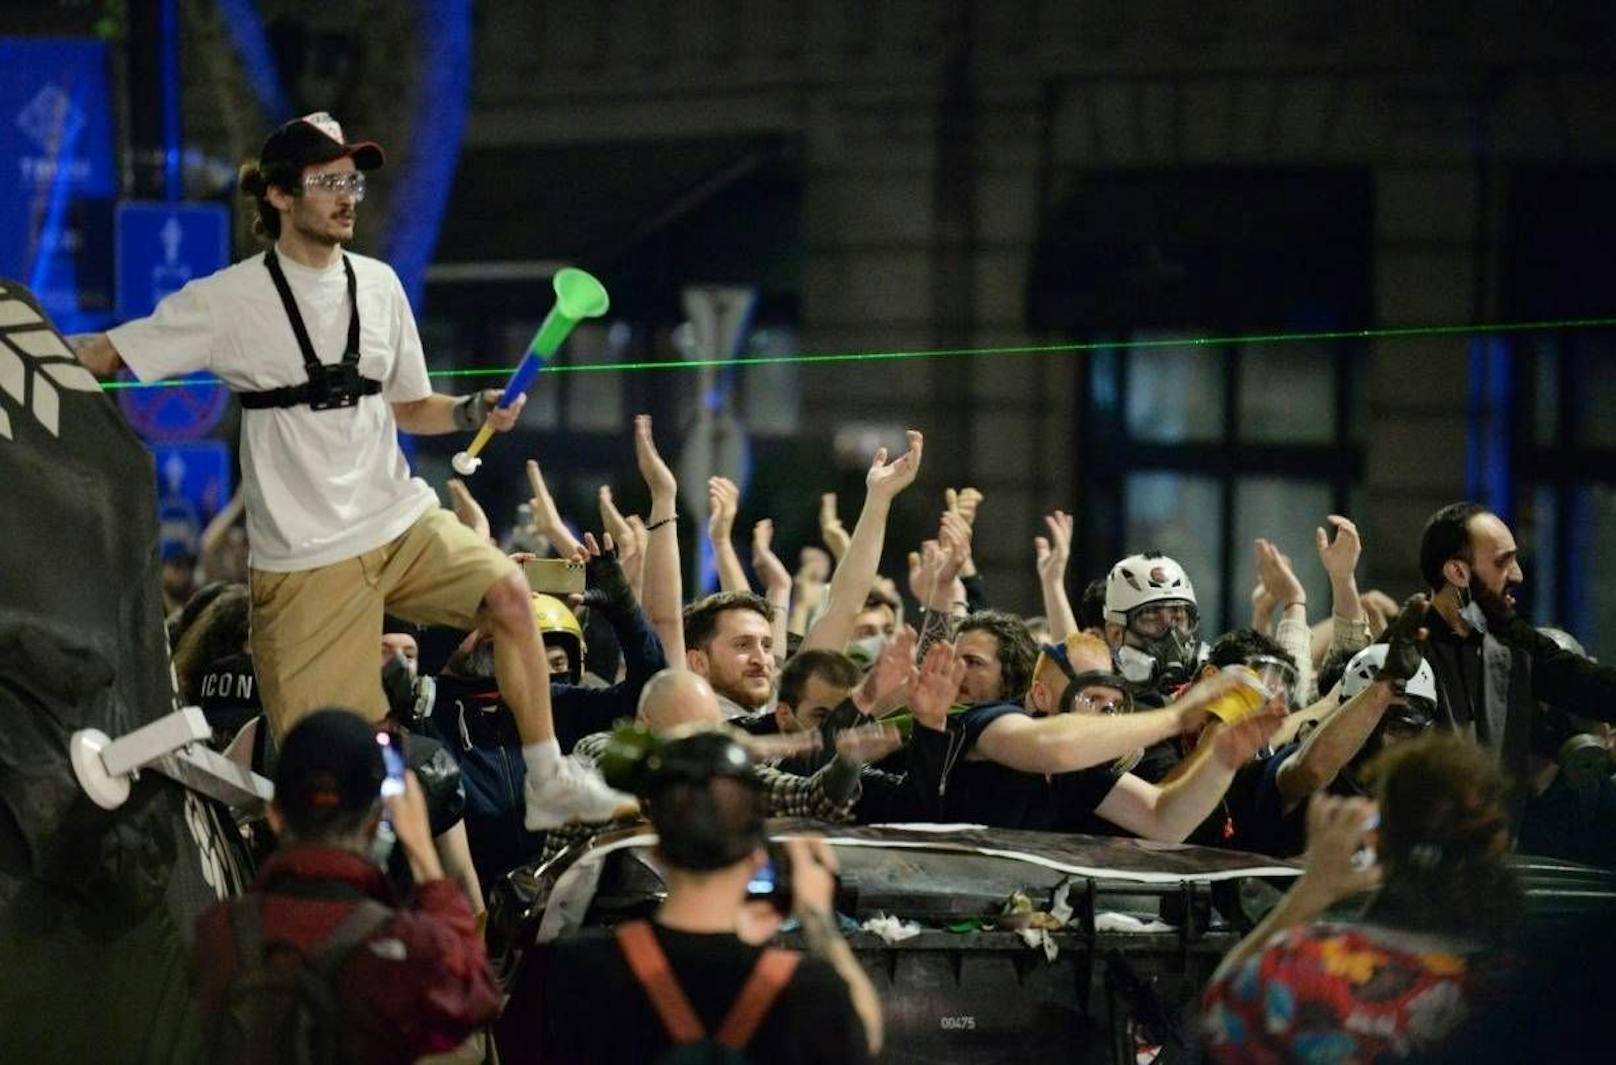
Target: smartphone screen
(393, 759)
(762, 883)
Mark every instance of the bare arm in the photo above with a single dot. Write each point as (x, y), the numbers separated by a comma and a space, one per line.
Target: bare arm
(434, 415)
(723, 501)
(1063, 743)
(814, 864)
(468, 510)
(547, 516)
(776, 581)
(1290, 599)
(96, 352)
(454, 853)
(662, 592)
(213, 535)
(1171, 812)
(1332, 745)
(629, 535)
(1335, 830)
(855, 574)
(1052, 555)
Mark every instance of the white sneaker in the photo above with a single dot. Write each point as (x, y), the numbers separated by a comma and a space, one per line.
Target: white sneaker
(572, 793)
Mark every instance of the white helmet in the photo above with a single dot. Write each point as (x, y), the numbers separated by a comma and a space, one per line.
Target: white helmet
(1140, 580)
(1366, 663)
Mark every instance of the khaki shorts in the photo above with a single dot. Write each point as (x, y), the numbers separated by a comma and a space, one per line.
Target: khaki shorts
(316, 634)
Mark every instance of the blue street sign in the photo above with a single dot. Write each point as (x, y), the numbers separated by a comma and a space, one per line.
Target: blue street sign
(161, 246)
(59, 176)
(193, 484)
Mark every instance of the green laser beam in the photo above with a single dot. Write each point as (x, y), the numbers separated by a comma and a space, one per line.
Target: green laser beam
(821, 358)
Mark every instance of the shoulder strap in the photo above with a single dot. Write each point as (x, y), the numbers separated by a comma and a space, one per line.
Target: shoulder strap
(282, 289)
(651, 969)
(770, 975)
(352, 353)
(358, 926)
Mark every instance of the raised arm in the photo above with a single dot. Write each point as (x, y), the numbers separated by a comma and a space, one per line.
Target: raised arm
(663, 591)
(856, 573)
(1291, 631)
(629, 536)
(1064, 743)
(1336, 830)
(1341, 735)
(776, 581)
(1171, 812)
(467, 509)
(1052, 555)
(723, 501)
(547, 516)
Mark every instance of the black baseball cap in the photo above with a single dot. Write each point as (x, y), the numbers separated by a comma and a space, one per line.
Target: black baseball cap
(313, 139)
(329, 763)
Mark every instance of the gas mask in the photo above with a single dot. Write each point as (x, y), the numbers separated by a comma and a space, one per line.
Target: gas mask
(1163, 662)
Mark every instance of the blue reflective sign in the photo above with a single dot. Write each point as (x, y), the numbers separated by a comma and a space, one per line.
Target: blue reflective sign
(58, 178)
(161, 246)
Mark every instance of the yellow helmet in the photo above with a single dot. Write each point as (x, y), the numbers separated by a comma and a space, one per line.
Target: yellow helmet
(558, 624)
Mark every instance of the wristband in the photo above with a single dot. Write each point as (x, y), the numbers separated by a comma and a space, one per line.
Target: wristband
(470, 412)
(655, 525)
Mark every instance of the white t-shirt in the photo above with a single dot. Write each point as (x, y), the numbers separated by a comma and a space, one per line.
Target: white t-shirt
(321, 486)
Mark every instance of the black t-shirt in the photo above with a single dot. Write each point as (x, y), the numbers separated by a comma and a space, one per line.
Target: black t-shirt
(593, 1010)
(1456, 661)
(1075, 795)
(985, 792)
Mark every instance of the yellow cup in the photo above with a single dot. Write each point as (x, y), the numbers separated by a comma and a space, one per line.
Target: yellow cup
(1241, 701)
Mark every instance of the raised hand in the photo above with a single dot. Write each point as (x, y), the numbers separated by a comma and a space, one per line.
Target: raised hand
(1337, 830)
(1404, 638)
(864, 744)
(935, 686)
(831, 531)
(467, 509)
(1340, 556)
(1054, 551)
(723, 503)
(615, 525)
(1274, 570)
(658, 478)
(964, 503)
(954, 537)
(1237, 744)
(886, 479)
(547, 516)
(1191, 706)
(886, 685)
(1379, 608)
(770, 570)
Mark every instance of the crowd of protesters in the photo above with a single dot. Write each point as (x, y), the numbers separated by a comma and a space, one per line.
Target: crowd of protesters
(403, 798)
(1112, 723)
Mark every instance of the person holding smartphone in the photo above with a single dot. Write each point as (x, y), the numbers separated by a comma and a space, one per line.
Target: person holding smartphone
(603, 995)
(1430, 951)
(405, 980)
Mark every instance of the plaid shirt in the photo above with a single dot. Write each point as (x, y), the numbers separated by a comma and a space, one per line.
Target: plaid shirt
(828, 795)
